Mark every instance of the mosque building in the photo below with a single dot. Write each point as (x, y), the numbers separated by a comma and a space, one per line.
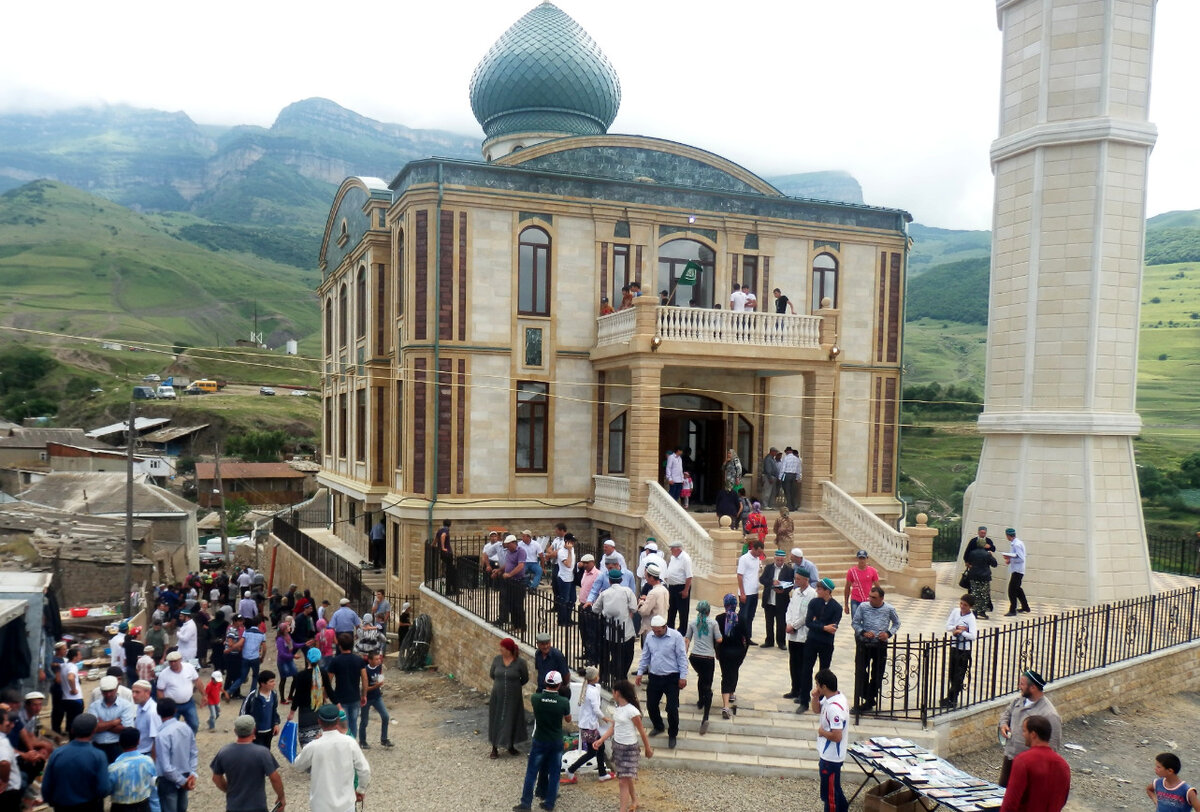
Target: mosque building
(468, 372)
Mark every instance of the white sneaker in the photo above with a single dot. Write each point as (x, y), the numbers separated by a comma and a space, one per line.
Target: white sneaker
(605, 777)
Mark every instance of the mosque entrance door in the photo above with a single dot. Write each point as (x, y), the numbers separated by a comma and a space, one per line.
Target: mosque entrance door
(697, 425)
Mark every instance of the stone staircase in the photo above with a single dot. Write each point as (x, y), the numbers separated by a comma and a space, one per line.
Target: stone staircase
(826, 547)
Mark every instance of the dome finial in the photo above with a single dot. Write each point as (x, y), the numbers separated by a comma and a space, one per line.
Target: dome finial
(544, 78)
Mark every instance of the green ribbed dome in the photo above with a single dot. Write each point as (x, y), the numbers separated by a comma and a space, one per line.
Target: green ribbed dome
(545, 74)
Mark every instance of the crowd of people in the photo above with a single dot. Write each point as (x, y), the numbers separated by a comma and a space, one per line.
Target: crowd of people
(207, 643)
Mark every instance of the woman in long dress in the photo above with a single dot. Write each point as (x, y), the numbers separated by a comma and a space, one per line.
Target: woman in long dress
(732, 470)
(731, 651)
(784, 528)
(506, 708)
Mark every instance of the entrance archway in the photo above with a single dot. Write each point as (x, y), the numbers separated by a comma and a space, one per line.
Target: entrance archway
(701, 426)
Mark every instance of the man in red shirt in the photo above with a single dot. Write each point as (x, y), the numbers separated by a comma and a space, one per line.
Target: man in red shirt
(1041, 779)
(859, 580)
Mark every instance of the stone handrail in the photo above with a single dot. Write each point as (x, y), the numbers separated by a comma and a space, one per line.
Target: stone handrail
(676, 524)
(725, 326)
(615, 328)
(885, 544)
(611, 492)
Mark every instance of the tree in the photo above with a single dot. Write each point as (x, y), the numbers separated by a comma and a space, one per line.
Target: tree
(1189, 470)
(235, 511)
(258, 445)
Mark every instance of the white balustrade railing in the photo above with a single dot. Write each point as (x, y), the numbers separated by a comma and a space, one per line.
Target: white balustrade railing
(884, 543)
(615, 328)
(676, 524)
(611, 492)
(727, 327)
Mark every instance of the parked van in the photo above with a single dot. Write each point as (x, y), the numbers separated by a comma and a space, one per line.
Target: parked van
(166, 392)
(143, 393)
(205, 385)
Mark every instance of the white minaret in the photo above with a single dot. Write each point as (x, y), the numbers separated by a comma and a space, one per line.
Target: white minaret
(1067, 245)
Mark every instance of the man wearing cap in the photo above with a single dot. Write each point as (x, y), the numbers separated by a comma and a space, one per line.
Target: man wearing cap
(340, 772)
(657, 600)
(749, 568)
(824, 615)
(664, 658)
(798, 560)
(859, 580)
(247, 606)
(113, 714)
(145, 715)
(776, 580)
(178, 681)
(564, 579)
(146, 668)
(122, 691)
(875, 622)
(797, 635)
(546, 659)
(532, 550)
(489, 556)
(76, 775)
(589, 624)
(186, 638)
(176, 757)
(28, 729)
(675, 473)
(545, 753)
(1015, 559)
(510, 575)
(611, 564)
(345, 619)
(610, 552)
(238, 770)
(649, 554)
(1032, 702)
(769, 477)
(678, 579)
(618, 605)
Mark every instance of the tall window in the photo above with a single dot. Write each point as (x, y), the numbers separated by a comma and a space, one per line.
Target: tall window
(380, 310)
(745, 442)
(825, 273)
(616, 444)
(343, 418)
(533, 278)
(399, 260)
(673, 257)
(360, 315)
(750, 277)
(343, 317)
(328, 449)
(360, 425)
(532, 421)
(399, 422)
(329, 326)
(620, 273)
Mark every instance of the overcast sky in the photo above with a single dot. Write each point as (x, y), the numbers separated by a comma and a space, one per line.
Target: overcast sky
(901, 94)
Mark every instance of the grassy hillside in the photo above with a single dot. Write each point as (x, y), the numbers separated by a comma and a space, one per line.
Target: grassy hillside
(76, 264)
(935, 246)
(955, 291)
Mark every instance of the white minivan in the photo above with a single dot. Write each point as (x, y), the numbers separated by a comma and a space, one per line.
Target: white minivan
(166, 392)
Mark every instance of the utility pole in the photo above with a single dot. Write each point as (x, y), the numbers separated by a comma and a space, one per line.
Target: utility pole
(129, 443)
(220, 491)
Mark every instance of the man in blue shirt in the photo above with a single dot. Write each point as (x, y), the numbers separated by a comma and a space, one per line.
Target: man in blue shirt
(253, 644)
(601, 583)
(76, 776)
(176, 758)
(345, 619)
(664, 657)
(113, 714)
(132, 776)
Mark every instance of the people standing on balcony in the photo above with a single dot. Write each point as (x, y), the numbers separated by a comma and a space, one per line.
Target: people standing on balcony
(635, 288)
(678, 579)
(564, 579)
(675, 473)
(664, 298)
(731, 652)
(859, 580)
(751, 299)
(797, 635)
(980, 563)
(510, 575)
(657, 600)
(737, 299)
(824, 616)
(617, 604)
(776, 580)
(782, 303)
(962, 629)
(875, 622)
(768, 476)
(1015, 559)
(749, 568)
(790, 472)
(664, 660)
(606, 309)
(702, 638)
(732, 470)
(533, 554)
(626, 297)
(506, 706)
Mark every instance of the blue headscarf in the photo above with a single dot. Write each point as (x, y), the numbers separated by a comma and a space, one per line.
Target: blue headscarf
(731, 615)
(702, 610)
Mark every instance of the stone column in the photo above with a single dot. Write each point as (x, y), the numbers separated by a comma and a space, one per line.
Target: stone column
(1067, 247)
(919, 572)
(727, 547)
(645, 375)
(817, 452)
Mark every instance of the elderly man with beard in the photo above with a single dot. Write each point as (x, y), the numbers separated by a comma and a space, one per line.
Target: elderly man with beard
(1032, 702)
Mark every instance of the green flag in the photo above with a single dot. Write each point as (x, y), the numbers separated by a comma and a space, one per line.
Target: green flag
(691, 272)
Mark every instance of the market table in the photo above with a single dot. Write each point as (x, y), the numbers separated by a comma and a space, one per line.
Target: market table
(934, 780)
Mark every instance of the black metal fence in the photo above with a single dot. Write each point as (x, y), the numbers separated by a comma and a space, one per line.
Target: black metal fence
(345, 574)
(917, 673)
(1176, 555)
(946, 542)
(584, 637)
(312, 516)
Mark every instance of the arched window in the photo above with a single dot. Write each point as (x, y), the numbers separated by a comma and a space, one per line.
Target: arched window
(329, 326)
(360, 316)
(533, 281)
(343, 317)
(673, 257)
(825, 273)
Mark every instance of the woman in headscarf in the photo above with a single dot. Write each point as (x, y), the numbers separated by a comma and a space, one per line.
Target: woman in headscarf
(784, 529)
(307, 695)
(325, 640)
(756, 522)
(506, 708)
(285, 655)
(733, 471)
(702, 638)
(735, 642)
(368, 638)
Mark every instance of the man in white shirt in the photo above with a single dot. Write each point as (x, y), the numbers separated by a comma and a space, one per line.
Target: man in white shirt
(178, 682)
(751, 299)
(790, 474)
(340, 772)
(116, 646)
(962, 628)
(489, 556)
(185, 637)
(832, 736)
(737, 299)
(675, 474)
(564, 580)
(610, 552)
(1015, 558)
(533, 557)
(749, 567)
(649, 555)
(678, 579)
(797, 635)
